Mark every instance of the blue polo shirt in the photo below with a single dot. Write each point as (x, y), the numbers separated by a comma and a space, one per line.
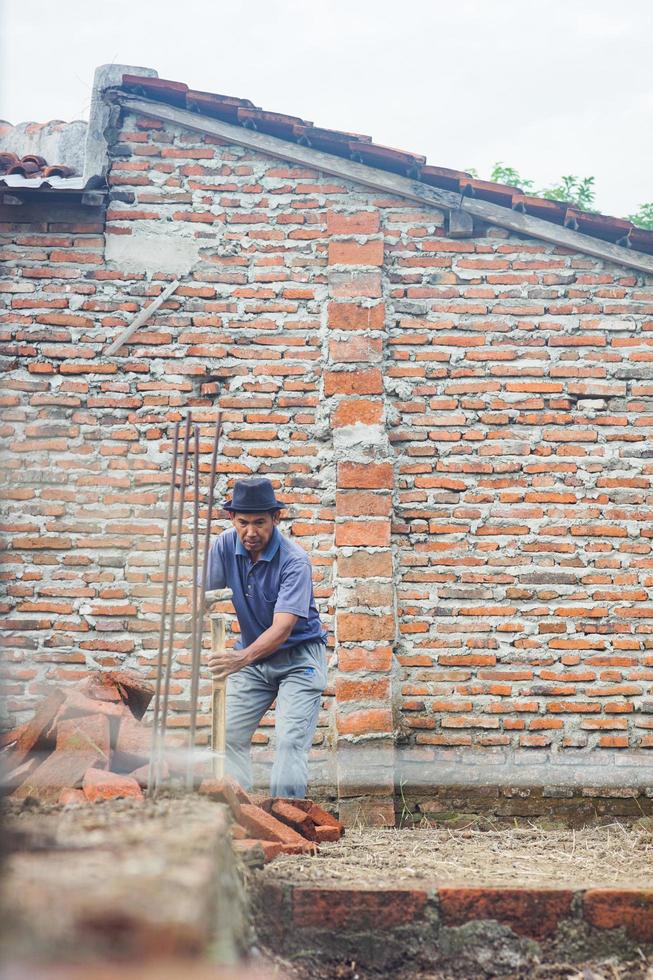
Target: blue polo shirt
(280, 581)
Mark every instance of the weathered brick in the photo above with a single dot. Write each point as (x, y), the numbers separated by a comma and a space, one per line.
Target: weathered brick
(353, 253)
(368, 382)
(366, 476)
(354, 316)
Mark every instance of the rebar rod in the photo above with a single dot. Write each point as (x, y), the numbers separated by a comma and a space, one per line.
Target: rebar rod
(195, 633)
(207, 539)
(209, 512)
(164, 604)
(175, 582)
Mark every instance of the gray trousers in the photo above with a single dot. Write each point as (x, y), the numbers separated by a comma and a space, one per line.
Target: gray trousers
(296, 678)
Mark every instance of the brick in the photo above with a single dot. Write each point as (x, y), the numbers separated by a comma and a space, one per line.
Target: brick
(7, 738)
(69, 797)
(353, 253)
(357, 908)
(263, 825)
(370, 721)
(294, 817)
(322, 818)
(326, 834)
(365, 476)
(532, 912)
(363, 504)
(369, 533)
(614, 908)
(357, 410)
(365, 564)
(369, 382)
(357, 658)
(76, 734)
(77, 704)
(354, 627)
(356, 349)
(100, 785)
(249, 848)
(352, 222)
(222, 791)
(142, 774)
(134, 691)
(28, 737)
(133, 745)
(60, 770)
(355, 316)
(362, 690)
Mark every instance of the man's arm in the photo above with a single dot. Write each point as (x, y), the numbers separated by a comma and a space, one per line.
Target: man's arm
(268, 642)
(216, 577)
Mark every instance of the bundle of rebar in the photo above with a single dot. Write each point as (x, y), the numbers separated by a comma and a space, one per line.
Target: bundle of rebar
(168, 616)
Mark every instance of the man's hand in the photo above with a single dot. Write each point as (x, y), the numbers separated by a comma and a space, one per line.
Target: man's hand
(223, 664)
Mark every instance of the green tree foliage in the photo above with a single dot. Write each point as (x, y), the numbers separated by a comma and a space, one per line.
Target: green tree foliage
(577, 191)
(580, 192)
(643, 217)
(502, 174)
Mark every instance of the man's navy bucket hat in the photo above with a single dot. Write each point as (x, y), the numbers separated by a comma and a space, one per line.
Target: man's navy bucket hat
(253, 497)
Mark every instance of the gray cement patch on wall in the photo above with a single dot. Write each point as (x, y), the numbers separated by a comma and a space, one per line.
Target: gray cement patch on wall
(153, 249)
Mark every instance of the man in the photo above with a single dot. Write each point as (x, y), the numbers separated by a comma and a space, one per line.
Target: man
(281, 652)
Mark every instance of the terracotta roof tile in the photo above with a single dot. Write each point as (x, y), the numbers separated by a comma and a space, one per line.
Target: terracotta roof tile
(174, 93)
(46, 155)
(363, 149)
(31, 166)
(219, 106)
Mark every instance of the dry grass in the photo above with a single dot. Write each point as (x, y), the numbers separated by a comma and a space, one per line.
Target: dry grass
(611, 855)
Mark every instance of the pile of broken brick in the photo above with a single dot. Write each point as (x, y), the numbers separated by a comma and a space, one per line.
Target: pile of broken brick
(88, 743)
(83, 744)
(268, 826)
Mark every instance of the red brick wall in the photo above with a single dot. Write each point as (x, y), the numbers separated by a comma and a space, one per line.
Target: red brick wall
(460, 429)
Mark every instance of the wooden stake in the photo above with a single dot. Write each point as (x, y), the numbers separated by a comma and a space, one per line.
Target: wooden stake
(218, 700)
(142, 318)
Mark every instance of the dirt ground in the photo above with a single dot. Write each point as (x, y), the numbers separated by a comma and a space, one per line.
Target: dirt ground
(613, 855)
(610, 969)
(604, 856)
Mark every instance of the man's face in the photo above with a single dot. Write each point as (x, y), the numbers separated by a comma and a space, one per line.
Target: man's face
(255, 530)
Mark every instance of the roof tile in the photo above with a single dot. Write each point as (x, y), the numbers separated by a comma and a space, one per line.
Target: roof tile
(363, 149)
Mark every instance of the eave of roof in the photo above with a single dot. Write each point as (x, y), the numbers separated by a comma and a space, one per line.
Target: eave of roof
(388, 180)
(360, 149)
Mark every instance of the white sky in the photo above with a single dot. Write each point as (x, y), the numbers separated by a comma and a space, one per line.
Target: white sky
(550, 87)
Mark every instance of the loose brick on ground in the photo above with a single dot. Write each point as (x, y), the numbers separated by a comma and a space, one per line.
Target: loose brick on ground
(249, 846)
(133, 745)
(134, 690)
(141, 775)
(7, 738)
(327, 833)
(263, 825)
(76, 733)
(36, 727)
(294, 817)
(60, 770)
(101, 785)
(72, 796)
(78, 703)
(223, 791)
